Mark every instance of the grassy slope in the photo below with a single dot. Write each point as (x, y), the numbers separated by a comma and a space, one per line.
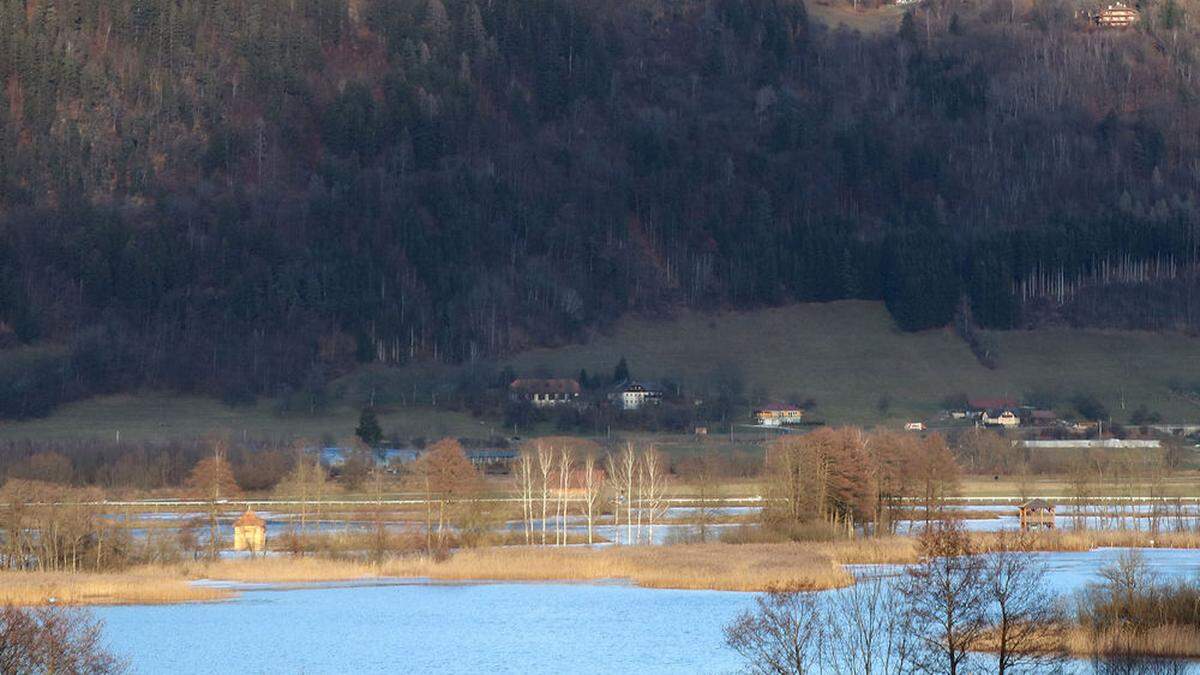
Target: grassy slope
(846, 355)
(849, 354)
(159, 417)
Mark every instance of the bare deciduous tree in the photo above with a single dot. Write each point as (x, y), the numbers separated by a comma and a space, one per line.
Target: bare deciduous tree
(212, 480)
(593, 486)
(446, 476)
(523, 474)
(545, 463)
(54, 640)
(566, 460)
(1020, 606)
(782, 636)
(869, 631)
(946, 598)
(622, 470)
(654, 490)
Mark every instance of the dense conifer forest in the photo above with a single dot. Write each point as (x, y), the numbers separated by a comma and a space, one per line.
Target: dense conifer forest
(235, 196)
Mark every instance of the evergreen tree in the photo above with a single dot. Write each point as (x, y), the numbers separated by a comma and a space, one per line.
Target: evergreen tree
(368, 428)
(621, 372)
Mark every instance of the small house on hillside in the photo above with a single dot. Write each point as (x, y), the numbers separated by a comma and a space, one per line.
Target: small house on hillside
(545, 393)
(778, 414)
(1000, 417)
(1036, 513)
(249, 533)
(492, 460)
(1117, 15)
(632, 395)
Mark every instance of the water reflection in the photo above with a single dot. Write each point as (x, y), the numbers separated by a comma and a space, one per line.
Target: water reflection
(1142, 666)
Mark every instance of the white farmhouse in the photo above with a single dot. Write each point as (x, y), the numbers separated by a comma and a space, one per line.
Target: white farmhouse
(632, 395)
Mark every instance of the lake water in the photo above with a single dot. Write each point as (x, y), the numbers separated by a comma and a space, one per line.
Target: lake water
(434, 628)
(421, 627)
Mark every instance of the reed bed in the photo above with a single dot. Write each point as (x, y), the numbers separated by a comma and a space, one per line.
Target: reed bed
(141, 586)
(1086, 540)
(869, 551)
(749, 567)
(281, 570)
(1169, 641)
(814, 565)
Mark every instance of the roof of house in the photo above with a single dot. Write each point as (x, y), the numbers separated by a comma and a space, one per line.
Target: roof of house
(778, 407)
(639, 386)
(483, 454)
(249, 519)
(1119, 8)
(1037, 505)
(545, 386)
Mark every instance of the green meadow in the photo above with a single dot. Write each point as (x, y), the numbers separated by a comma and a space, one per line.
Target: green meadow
(847, 356)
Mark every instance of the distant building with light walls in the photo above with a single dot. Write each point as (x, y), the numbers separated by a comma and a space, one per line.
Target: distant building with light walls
(545, 393)
(1118, 15)
(778, 414)
(1000, 417)
(249, 533)
(633, 395)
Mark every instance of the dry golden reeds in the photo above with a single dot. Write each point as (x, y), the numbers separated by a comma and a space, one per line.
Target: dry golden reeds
(281, 570)
(750, 567)
(870, 551)
(141, 586)
(1169, 641)
(1086, 540)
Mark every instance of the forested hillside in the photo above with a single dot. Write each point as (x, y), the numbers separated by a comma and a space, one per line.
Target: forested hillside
(241, 195)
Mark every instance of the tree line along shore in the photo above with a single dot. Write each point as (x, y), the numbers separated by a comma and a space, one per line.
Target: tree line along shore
(830, 498)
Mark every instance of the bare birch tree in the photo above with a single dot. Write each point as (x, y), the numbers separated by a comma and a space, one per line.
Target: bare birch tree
(629, 467)
(593, 485)
(640, 484)
(622, 470)
(566, 460)
(545, 462)
(523, 473)
(655, 482)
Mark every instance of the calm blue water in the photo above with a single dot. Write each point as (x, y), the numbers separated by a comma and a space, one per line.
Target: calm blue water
(418, 627)
(434, 628)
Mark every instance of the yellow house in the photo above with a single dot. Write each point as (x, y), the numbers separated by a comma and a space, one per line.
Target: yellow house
(249, 533)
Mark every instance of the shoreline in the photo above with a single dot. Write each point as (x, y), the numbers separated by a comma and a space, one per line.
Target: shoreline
(713, 567)
(754, 567)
